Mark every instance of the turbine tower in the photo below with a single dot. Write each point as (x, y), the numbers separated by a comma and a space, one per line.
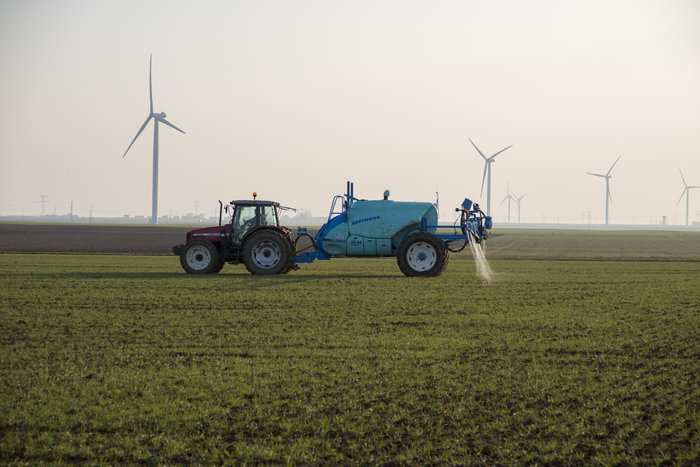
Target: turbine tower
(508, 197)
(487, 168)
(686, 192)
(160, 117)
(608, 196)
(518, 207)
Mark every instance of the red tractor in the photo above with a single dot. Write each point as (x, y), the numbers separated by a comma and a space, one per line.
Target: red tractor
(254, 237)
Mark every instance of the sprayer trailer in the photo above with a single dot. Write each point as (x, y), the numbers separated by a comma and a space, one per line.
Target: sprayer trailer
(355, 227)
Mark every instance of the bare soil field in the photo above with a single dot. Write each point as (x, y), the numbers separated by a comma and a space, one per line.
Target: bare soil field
(43, 238)
(510, 244)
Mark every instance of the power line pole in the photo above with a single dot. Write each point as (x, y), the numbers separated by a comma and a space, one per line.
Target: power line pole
(43, 203)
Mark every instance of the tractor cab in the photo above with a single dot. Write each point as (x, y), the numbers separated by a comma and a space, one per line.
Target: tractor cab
(247, 215)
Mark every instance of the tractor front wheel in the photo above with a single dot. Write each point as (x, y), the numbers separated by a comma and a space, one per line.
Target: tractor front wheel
(199, 256)
(267, 252)
(422, 255)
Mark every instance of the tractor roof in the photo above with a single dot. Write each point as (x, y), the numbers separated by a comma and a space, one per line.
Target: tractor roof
(256, 202)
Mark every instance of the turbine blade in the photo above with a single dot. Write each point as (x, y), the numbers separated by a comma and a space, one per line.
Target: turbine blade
(524, 195)
(613, 165)
(137, 134)
(609, 194)
(486, 166)
(161, 119)
(482, 154)
(150, 83)
(686, 185)
(596, 175)
(679, 199)
(500, 152)
(508, 191)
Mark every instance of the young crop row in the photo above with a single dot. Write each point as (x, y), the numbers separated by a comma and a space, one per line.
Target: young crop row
(125, 359)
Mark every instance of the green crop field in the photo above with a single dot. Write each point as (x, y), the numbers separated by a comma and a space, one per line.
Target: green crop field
(559, 360)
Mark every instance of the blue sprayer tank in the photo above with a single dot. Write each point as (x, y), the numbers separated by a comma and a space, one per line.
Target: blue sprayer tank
(407, 230)
(373, 228)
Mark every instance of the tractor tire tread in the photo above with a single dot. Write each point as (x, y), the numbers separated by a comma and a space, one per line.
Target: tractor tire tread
(213, 267)
(282, 242)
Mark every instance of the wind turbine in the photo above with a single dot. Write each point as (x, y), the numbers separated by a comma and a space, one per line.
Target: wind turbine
(686, 192)
(518, 200)
(487, 168)
(509, 197)
(608, 196)
(157, 118)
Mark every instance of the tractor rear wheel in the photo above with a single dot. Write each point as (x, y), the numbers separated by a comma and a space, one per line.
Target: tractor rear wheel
(199, 256)
(422, 255)
(267, 252)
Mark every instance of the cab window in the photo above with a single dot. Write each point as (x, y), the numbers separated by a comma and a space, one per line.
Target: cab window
(267, 215)
(243, 221)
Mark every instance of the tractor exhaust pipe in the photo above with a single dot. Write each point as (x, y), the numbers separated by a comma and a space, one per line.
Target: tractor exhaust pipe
(221, 208)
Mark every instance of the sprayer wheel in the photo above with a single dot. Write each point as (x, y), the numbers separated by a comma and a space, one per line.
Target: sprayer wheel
(447, 260)
(422, 254)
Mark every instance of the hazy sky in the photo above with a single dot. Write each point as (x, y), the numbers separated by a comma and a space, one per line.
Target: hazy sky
(293, 98)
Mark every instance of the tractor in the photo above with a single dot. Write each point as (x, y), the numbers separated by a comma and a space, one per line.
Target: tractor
(355, 227)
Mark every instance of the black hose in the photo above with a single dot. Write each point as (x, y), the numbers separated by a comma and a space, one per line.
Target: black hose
(447, 245)
(313, 242)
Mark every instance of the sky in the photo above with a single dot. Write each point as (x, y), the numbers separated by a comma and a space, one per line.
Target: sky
(291, 99)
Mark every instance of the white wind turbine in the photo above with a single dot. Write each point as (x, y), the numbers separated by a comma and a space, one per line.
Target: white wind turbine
(487, 168)
(518, 206)
(510, 198)
(157, 118)
(608, 196)
(686, 192)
